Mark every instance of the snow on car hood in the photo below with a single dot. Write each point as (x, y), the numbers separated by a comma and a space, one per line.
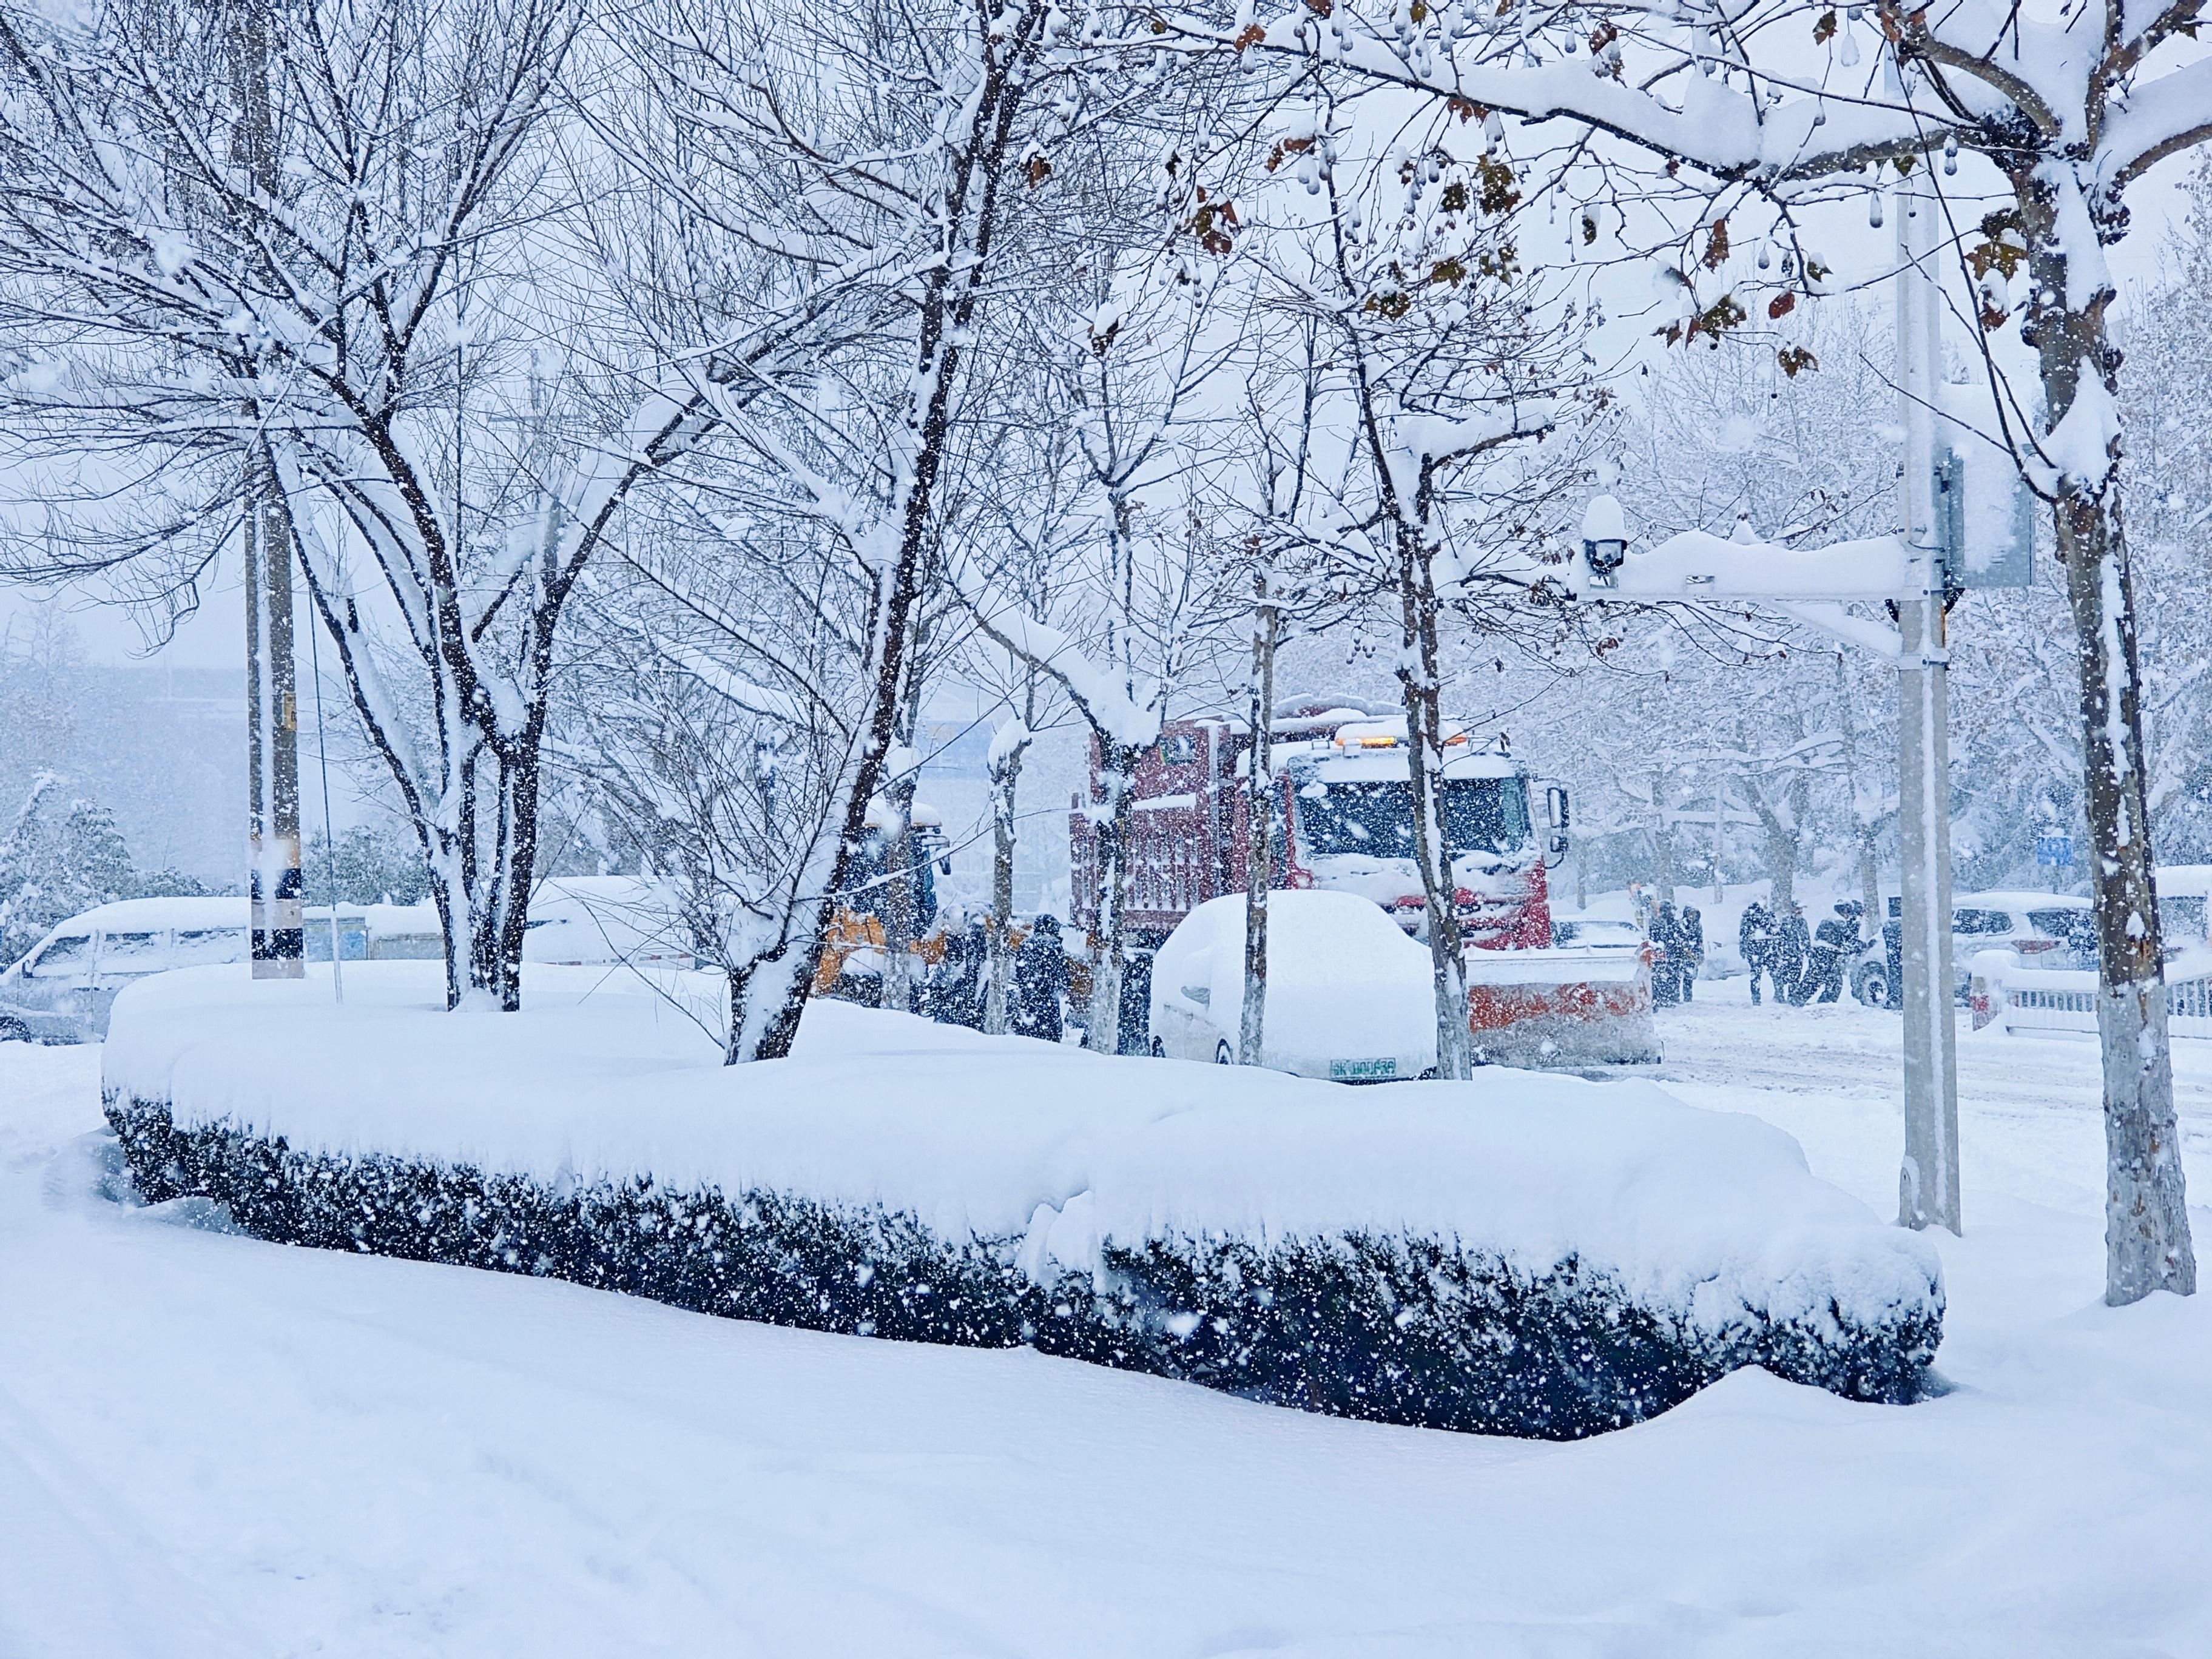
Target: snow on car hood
(1344, 982)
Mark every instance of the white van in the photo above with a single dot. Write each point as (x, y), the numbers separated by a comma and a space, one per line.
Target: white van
(62, 990)
(63, 987)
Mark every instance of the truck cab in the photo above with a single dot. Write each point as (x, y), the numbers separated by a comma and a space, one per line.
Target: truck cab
(1346, 809)
(1351, 814)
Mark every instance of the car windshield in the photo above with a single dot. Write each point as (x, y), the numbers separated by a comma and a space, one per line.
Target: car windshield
(211, 945)
(1481, 815)
(66, 955)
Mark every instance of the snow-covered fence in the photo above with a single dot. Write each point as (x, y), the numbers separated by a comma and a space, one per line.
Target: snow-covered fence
(2002, 993)
(1531, 1255)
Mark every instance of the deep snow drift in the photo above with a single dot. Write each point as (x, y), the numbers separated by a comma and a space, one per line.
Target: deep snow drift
(213, 1446)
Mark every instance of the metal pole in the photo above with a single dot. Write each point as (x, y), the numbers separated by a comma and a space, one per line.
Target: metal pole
(1720, 794)
(272, 743)
(1928, 1184)
(330, 831)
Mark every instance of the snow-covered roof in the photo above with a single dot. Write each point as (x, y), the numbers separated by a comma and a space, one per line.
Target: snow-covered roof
(151, 916)
(2018, 898)
(1371, 751)
(399, 920)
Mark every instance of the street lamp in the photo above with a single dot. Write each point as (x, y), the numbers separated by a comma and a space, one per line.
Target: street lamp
(1605, 539)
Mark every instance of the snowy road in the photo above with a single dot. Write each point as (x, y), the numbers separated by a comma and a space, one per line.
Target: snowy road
(209, 1445)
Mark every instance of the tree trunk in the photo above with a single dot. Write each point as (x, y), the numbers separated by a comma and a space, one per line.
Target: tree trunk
(1005, 775)
(273, 883)
(274, 892)
(1118, 776)
(768, 993)
(1258, 829)
(900, 912)
(2146, 1241)
(1419, 677)
(519, 786)
(1781, 847)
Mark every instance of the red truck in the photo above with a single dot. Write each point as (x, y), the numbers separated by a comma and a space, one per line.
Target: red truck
(1346, 806)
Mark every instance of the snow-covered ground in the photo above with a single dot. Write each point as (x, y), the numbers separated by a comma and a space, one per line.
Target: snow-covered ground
(211, 1445)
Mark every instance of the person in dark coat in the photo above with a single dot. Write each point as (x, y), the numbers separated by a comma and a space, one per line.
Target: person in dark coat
(1040, 982)
(1690, 933)
(1754, 941)
(1666, 967)
(1836, 942)
(956, 988)
(1791, 944)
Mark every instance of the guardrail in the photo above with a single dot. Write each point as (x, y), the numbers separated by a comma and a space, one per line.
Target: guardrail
(2002, 991)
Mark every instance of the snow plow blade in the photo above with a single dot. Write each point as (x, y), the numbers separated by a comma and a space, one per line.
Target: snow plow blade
(1561, 1007)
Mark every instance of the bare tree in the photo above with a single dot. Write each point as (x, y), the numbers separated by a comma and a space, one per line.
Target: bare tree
(710, 715)
(1741, 120)
(1123, 390)
(894, 163)
(1441, 378)
(206, 331)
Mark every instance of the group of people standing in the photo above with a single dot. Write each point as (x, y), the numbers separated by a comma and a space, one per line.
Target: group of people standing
(1798, 964)
(1678, 948)
(955, 991)
(1800, 967)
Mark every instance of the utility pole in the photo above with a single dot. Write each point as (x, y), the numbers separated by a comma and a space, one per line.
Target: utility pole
(1720, 796)
(1936, 550)
(272, 740)
(1259, 818)
(1928, 1184)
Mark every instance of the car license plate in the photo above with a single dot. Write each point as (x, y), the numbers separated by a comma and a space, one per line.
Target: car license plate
(1362, 1071)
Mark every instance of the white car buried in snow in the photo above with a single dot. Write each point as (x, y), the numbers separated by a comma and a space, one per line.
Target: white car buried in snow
(1349, 995)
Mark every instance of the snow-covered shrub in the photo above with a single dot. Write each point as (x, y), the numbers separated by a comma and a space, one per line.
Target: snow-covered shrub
(1419, 1330)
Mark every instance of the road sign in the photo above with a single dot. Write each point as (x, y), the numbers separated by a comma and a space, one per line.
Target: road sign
(1984, 517)
(2055, 849)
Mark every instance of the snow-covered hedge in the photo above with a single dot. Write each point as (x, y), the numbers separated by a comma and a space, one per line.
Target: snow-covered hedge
(1528, 1254)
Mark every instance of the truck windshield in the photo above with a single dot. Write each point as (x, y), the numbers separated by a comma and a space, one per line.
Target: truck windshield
(1481, 815)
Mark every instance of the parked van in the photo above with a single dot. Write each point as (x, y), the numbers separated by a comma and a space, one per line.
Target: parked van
(63, 988)
(64, 985)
